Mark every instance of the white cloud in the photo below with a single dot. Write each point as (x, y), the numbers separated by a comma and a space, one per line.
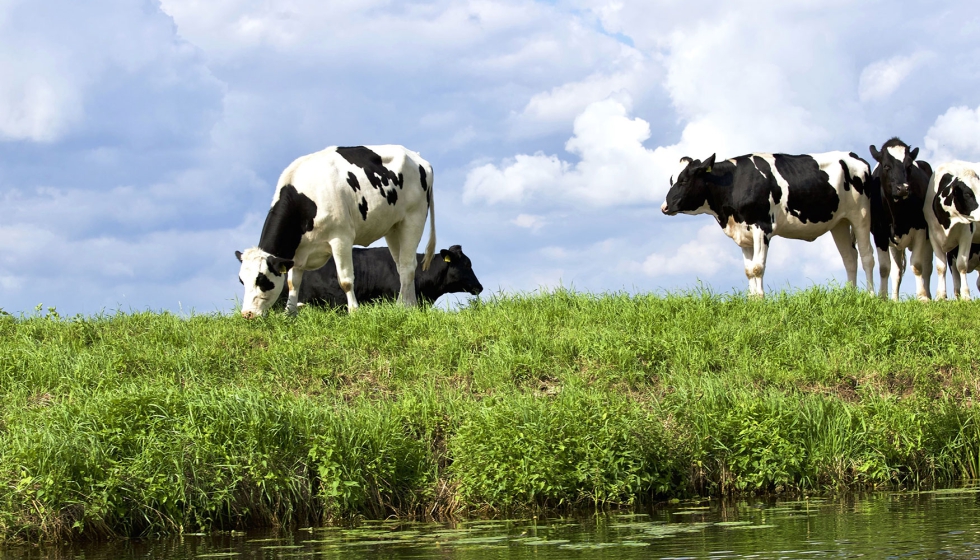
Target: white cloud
(614, 167)
(705, 255)
(880, 79)
(529, 221)
(954, 135)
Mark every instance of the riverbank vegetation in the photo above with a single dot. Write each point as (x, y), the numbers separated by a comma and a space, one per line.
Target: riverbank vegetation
(132, 424)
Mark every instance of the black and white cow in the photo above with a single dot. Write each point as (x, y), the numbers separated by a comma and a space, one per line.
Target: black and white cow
(328, 201)
(756, 197)
(377, 278)
(898, 191)
(952, 212)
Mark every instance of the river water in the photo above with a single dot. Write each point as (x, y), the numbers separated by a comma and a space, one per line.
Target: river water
(934, 524)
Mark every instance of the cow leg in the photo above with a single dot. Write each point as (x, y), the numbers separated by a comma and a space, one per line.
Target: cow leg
(406, 238)
(940, 260)
(343, 258)
(862, 234)
(963, 262)
(293, 279)
(922, 266)
(845, 246)
(748, 256)
(884, 271)
(897, 258)
(755, 261)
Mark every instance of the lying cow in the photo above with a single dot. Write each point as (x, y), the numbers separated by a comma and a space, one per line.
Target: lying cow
(327, 202)
(756, 197)
(952, 213)
(898, 191)
(377, 278)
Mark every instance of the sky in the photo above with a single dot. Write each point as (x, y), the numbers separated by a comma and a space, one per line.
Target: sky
(141, 140)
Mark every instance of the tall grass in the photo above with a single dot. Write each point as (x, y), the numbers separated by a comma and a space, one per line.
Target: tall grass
(133, 424)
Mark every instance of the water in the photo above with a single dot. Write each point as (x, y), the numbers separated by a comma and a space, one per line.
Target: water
(938, 524)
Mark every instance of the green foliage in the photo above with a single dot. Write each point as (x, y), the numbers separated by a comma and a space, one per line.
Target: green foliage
(141, 423)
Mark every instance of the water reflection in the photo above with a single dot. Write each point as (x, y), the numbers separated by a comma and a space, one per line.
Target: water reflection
(943, 523)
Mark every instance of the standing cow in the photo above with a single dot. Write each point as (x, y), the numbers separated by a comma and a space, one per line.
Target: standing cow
(952, 213)
(327, 202)
(898, 191)
(756, 197)
(377, 278)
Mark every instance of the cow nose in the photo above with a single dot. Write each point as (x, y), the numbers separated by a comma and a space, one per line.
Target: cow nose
(248, 314)
(477, 290)
(903, 191)
(663, 207)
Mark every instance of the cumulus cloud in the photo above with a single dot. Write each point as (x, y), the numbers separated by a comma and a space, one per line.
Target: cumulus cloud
(881, 79)
(705, 255)
(614, 167)
(955, 135)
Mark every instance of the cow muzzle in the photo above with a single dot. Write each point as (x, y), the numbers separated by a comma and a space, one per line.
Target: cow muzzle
(665, 210)
(249, 314)
(903, 191)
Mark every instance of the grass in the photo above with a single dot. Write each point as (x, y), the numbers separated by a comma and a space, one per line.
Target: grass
(146, 423)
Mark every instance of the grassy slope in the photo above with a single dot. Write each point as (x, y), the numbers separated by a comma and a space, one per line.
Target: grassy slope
(129, 424)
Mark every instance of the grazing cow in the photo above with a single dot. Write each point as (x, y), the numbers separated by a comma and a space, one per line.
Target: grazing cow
(898, 191)
(377, 278)
(952, 213)
(327, 202)
(756, 197)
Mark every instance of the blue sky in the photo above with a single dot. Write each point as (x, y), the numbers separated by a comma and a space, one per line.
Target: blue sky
(140, 140)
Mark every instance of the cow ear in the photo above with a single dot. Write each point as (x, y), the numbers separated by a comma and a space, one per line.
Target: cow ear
(913, 154)
(708, 163)
(874, 152)
(239, 255)
(278, 265)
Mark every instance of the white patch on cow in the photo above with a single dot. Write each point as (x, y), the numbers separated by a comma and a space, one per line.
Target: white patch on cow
(897, 152)
(959, 233)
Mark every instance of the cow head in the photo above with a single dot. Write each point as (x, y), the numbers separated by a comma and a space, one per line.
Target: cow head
(894, 167)
(263, 276)
(688, 194)
(459, 272)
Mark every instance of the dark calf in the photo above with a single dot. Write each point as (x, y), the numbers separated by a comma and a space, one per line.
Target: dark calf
(377, 278)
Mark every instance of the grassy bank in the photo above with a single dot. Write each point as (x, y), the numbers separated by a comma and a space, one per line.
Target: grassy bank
(132, 424)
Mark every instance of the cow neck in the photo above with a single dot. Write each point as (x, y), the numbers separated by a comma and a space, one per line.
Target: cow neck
(719, 196)
(427, 283)
(289, 218)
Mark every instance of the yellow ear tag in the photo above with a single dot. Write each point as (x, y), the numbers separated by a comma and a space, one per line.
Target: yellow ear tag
(708, 170)
(446, 259)
(282, 270)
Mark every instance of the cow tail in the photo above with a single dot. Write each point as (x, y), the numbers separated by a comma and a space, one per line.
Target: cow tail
(430, 249)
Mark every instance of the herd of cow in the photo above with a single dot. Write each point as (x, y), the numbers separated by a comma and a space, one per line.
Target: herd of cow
(328, 201)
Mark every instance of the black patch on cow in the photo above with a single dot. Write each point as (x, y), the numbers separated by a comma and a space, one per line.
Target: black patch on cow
(858, 181)
(964, 200)
(880, 217)
(391, 196)
(847, 175)
(288, 219)
(422, 178)
(372, 166)
(942, 216)
(363, 208)
(774, 191)
(853, 155)
(811, 196)
(352, 181)
(263, 282)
